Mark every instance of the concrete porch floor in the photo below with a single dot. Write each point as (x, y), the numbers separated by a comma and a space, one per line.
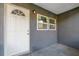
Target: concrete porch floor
(57, 50)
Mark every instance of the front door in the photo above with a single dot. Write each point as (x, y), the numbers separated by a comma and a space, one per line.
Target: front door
(17, 40)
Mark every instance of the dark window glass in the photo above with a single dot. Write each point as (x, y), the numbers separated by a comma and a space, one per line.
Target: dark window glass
(42, 26)
(52, 26)
(43, 19)
(51, 21)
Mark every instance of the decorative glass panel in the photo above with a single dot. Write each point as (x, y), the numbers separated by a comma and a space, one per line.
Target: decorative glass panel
(51, 21)
(18, 12)
(42, 26)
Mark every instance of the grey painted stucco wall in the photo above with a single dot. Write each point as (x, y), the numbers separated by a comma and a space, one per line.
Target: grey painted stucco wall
(68, 28)
(39, 39)
(1, 29)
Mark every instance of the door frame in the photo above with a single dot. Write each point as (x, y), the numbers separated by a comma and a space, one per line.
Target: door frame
(5, 17)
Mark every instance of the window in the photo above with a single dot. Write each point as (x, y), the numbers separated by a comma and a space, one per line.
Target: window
(52, 23)
(42, 22)
(45, 23)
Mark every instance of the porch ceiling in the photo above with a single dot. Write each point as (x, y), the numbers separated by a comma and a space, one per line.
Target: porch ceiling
(58, 8)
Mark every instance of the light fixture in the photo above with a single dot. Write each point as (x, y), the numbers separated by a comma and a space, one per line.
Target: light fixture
(34, 11)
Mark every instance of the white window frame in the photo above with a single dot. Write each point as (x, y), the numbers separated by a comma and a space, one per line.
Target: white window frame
(48, 24)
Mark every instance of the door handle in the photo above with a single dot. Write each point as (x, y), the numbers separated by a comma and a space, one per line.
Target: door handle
(28, 33)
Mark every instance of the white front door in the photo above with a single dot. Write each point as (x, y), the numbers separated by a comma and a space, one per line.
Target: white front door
(17, 40)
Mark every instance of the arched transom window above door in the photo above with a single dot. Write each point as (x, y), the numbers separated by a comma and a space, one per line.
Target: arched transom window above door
(17, 12)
